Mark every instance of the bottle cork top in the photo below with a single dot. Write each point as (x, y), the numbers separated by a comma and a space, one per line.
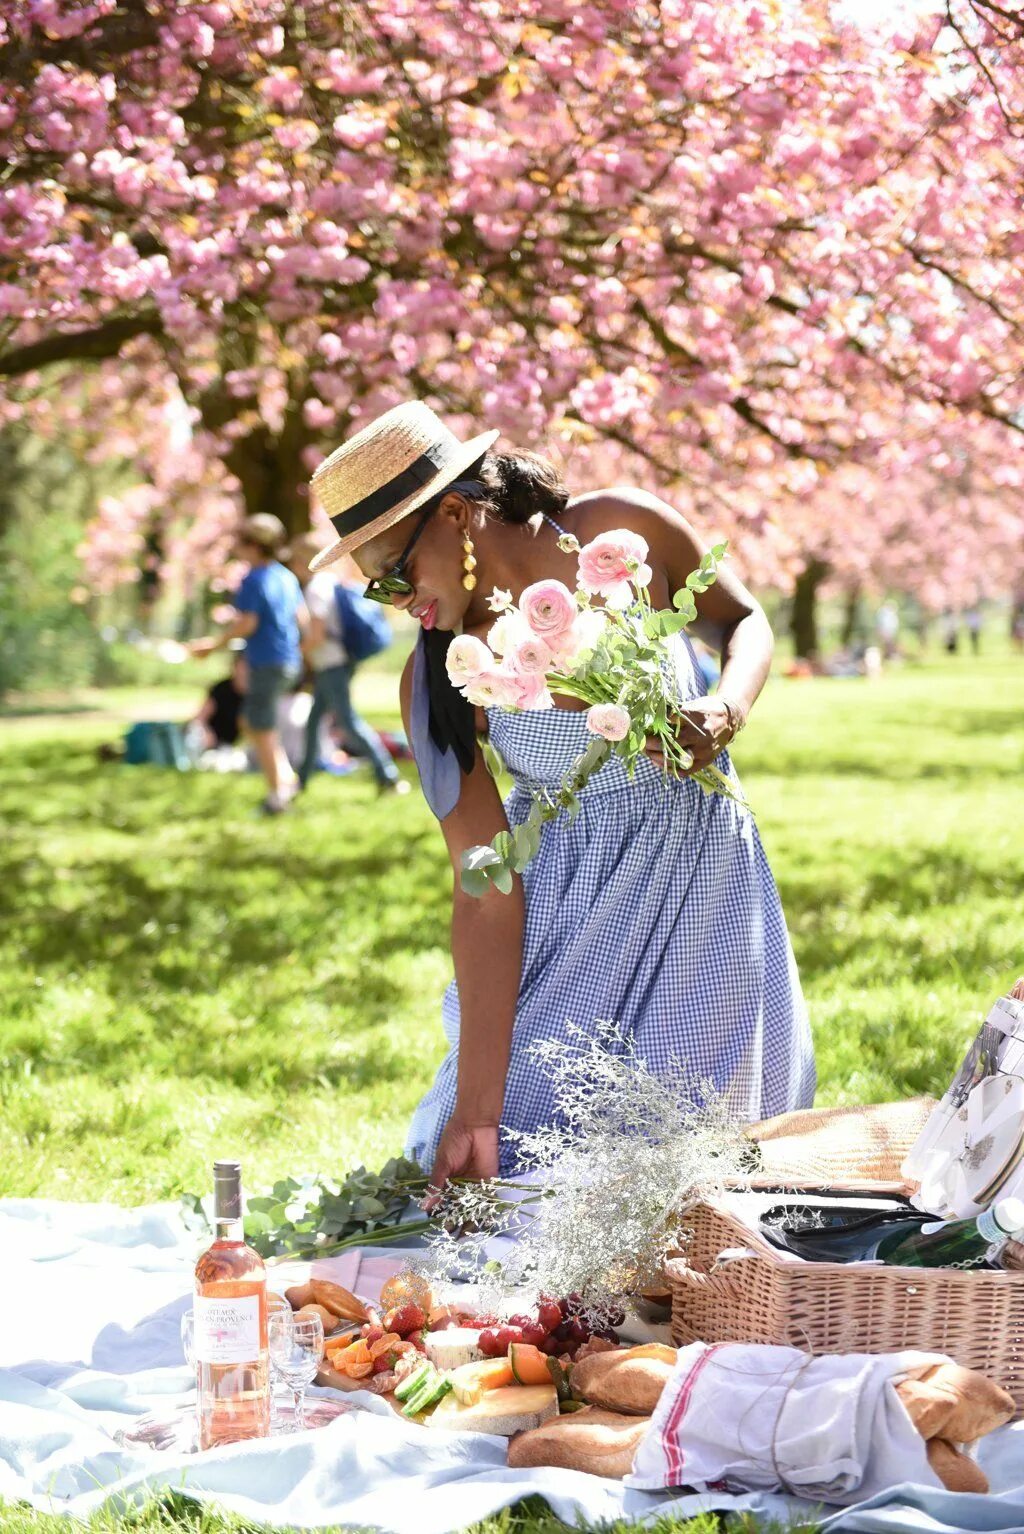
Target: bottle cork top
(227, 1190)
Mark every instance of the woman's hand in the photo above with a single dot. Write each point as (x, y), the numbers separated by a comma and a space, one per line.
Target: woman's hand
(464, 1150)
(705, 727)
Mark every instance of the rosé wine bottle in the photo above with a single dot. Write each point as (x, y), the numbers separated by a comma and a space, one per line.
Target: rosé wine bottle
(232, 1362)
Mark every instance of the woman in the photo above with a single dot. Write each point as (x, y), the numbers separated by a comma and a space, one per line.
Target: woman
(656, 908)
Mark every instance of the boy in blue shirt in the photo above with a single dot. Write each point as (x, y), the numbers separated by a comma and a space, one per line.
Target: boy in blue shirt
(271, 617)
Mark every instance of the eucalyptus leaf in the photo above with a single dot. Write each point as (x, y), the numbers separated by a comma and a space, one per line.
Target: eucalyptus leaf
(479, 857)
(501, 878)
(473, 881)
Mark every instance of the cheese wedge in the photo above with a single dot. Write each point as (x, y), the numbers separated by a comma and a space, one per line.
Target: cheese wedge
(512, 1409)
(454, 1347)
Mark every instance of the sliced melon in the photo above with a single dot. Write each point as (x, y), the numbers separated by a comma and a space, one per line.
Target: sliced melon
(451, 1348)
(529, 1364)
(471, 1380)
(505, 1412)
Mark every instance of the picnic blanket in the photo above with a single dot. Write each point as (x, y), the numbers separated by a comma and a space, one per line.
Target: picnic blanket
(92, 1298)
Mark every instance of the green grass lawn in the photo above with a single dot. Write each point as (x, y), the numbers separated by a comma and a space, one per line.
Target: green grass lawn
(180, 979)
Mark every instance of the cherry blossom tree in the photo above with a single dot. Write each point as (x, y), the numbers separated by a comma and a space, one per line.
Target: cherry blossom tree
(742, 251)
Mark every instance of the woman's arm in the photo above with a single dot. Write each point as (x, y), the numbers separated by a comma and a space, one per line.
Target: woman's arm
(487, 950)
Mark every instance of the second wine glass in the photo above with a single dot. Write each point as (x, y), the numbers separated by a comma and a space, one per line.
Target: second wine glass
(296, 1350)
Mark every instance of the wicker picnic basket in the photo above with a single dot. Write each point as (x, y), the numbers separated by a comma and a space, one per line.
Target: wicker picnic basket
(826, 1307)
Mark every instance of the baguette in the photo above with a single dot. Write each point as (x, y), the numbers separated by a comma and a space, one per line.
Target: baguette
(955, 1470)
(947, 1401)
(630, 1380)
(594, 1441)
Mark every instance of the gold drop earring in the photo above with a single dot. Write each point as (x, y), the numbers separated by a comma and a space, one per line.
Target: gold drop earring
(468, 563)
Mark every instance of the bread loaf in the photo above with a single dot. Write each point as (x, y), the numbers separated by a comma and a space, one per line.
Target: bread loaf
(955, 1470)
(329, 1321)
(947, 1401)
(630, 1380)
(594, 1441)
(340, 1302)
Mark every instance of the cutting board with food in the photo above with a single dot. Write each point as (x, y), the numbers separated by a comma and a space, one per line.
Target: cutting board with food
(447, 1366)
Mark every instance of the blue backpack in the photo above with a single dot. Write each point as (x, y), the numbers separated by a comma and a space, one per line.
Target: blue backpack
(365, 629)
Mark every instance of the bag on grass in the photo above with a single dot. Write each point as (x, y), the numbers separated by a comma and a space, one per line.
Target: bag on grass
(365, 629)
(156, 743)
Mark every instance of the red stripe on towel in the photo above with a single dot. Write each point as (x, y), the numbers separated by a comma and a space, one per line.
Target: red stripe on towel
(674, 1456)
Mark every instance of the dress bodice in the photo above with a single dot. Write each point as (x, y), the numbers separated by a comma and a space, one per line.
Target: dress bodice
(539, 746)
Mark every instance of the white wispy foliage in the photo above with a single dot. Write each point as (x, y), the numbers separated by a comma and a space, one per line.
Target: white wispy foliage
(597, 1209)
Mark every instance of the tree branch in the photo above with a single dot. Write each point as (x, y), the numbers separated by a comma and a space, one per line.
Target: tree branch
(103, 340)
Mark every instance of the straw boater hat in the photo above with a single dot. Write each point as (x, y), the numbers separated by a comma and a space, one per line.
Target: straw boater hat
(389, 469)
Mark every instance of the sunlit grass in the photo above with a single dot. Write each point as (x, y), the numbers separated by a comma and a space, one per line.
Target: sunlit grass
(180, 979)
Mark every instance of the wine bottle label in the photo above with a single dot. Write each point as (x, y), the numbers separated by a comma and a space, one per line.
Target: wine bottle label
(227, 1331)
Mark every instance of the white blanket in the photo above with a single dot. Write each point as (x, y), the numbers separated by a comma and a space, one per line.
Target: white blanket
(90, 1306)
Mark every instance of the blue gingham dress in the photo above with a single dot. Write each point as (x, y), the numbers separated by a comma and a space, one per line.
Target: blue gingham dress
(656, 909)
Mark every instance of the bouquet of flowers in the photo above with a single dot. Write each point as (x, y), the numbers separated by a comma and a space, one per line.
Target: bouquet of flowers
(604, 644)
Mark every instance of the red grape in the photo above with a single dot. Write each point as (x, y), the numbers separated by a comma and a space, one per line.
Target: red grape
(578, 1330)
(551, 1346)
(549, 1314)
(505, 1337)
(487, 1342)
(534, 1333)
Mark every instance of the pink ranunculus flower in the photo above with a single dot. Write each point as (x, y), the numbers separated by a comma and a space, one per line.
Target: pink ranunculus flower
(549, 608)
(494, 689)
(467, 659)
(532, 690)
(531, 657)
(609, 721)
(508, 631)
(610, 562)
(581, 640)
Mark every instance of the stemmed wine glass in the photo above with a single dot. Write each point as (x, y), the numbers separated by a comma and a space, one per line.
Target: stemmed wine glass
(296, 1349)
(188, 1330)
(277, 1305)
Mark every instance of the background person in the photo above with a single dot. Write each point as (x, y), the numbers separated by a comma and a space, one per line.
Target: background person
(219, 721)
(270, 616)
(324, 650)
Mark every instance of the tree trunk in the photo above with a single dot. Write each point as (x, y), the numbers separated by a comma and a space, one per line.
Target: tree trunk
(804, 616)
(271, 472)
(851, 616)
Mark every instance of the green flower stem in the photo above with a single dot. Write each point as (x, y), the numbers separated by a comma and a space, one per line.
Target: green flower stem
(360, 1238)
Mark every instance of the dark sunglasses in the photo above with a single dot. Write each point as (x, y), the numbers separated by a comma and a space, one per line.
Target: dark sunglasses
(384, 588)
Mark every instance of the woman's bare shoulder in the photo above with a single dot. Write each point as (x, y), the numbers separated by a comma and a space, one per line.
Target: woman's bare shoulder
(601, 511)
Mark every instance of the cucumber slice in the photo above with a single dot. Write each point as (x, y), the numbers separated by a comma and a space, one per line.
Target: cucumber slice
(410, 1385)
(423, 1393)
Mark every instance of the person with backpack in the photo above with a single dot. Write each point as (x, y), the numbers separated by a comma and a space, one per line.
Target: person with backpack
(271, 617)
(343, 630)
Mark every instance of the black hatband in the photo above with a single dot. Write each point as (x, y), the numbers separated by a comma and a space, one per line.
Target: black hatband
(380, 501)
